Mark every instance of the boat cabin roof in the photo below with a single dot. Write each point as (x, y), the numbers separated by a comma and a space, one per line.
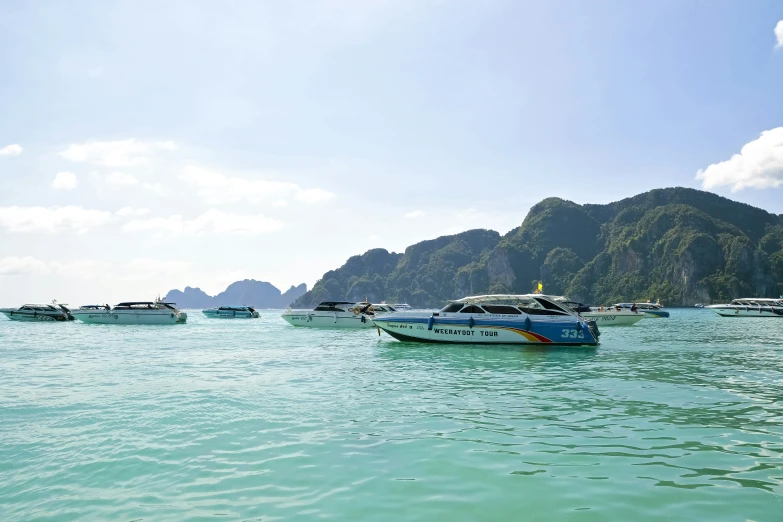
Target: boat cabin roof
(764, 300)
(236, 307)
(537, 304)
(649, 306)
(39, 307)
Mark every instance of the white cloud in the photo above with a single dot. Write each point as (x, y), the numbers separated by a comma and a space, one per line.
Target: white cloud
(211, 221)
(11, 150)
(22, 265)
(53, 219)
(116, 154)
(758, 165)
(218, 188)
(65, 181)
(414, 214)
(779, 34)
(138, 269)
(121, 179)
(130, 211)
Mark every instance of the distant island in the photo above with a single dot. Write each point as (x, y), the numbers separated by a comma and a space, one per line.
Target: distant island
(258, 294)
(678, 245)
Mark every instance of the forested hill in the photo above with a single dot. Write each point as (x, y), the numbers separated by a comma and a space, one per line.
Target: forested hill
(679, 245)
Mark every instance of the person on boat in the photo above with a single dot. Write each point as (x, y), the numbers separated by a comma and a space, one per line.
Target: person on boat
(633, 307)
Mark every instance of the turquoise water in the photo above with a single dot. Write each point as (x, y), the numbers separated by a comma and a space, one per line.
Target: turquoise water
(678, 419)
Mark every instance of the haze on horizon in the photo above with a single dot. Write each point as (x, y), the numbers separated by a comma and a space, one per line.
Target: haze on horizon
(146, 146)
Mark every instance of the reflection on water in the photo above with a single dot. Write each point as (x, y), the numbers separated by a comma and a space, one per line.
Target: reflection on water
(678, 418)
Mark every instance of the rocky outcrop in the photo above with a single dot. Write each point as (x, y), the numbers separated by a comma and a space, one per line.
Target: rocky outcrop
(258, 294)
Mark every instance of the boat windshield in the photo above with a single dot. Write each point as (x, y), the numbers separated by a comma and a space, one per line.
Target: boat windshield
(332, 307)
(452, 308)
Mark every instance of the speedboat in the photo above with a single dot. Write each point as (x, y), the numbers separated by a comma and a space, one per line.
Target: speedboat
(750, 307)
(132, 312)
(338, 314)
(38, 312)
(231, 312)
(649, 309)
(494, 319)
(611, 316)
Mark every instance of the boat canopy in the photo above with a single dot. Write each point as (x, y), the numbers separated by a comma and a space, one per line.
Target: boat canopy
(508, 298)
(237, 307)
(526, 302)
(641, 306)
(756, 301)
(39, 307)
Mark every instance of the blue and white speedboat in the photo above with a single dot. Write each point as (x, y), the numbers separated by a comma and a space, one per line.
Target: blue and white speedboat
(494, 319)
(231, 312)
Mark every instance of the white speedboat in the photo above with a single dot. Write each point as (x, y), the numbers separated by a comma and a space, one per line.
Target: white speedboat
(611, 316)
(654, 310)
(338, 314)
(750, 307)
(231, 312)
(494, 319)
(136, 312)
(38, 312)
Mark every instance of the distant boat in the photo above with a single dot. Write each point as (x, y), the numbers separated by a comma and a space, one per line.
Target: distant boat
(750, 307)
(611, 316)
(132, 312)
(38, 312)
(338, 314)
(231, 312)
(402, 307)
(698, 305)
(649, 309)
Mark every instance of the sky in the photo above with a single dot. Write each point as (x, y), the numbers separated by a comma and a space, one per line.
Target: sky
(146, 146)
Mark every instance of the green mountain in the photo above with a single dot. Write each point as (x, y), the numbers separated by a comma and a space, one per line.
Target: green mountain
(678, 245)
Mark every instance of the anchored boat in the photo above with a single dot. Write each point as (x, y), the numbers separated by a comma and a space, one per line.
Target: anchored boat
(231, 312)
(135, 312)
(611, 316)
(38, 312)
(750, 307)
(654, 310)
(494, 319)
(338, 314)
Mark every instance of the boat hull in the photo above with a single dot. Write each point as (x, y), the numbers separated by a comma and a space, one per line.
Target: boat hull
(14, 315)
(131, 317)
(312, 319)
(656, 314)
(473, 330)
(749, 312)
(613, 318)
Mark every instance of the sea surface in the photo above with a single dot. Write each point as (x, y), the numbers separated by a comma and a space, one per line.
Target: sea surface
(672, 419)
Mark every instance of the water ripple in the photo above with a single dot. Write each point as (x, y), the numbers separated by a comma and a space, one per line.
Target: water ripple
(255, 420)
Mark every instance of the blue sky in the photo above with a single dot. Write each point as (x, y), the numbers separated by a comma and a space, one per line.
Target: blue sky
(149, 145)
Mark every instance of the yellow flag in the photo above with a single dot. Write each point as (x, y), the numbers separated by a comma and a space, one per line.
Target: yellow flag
(540, 287)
